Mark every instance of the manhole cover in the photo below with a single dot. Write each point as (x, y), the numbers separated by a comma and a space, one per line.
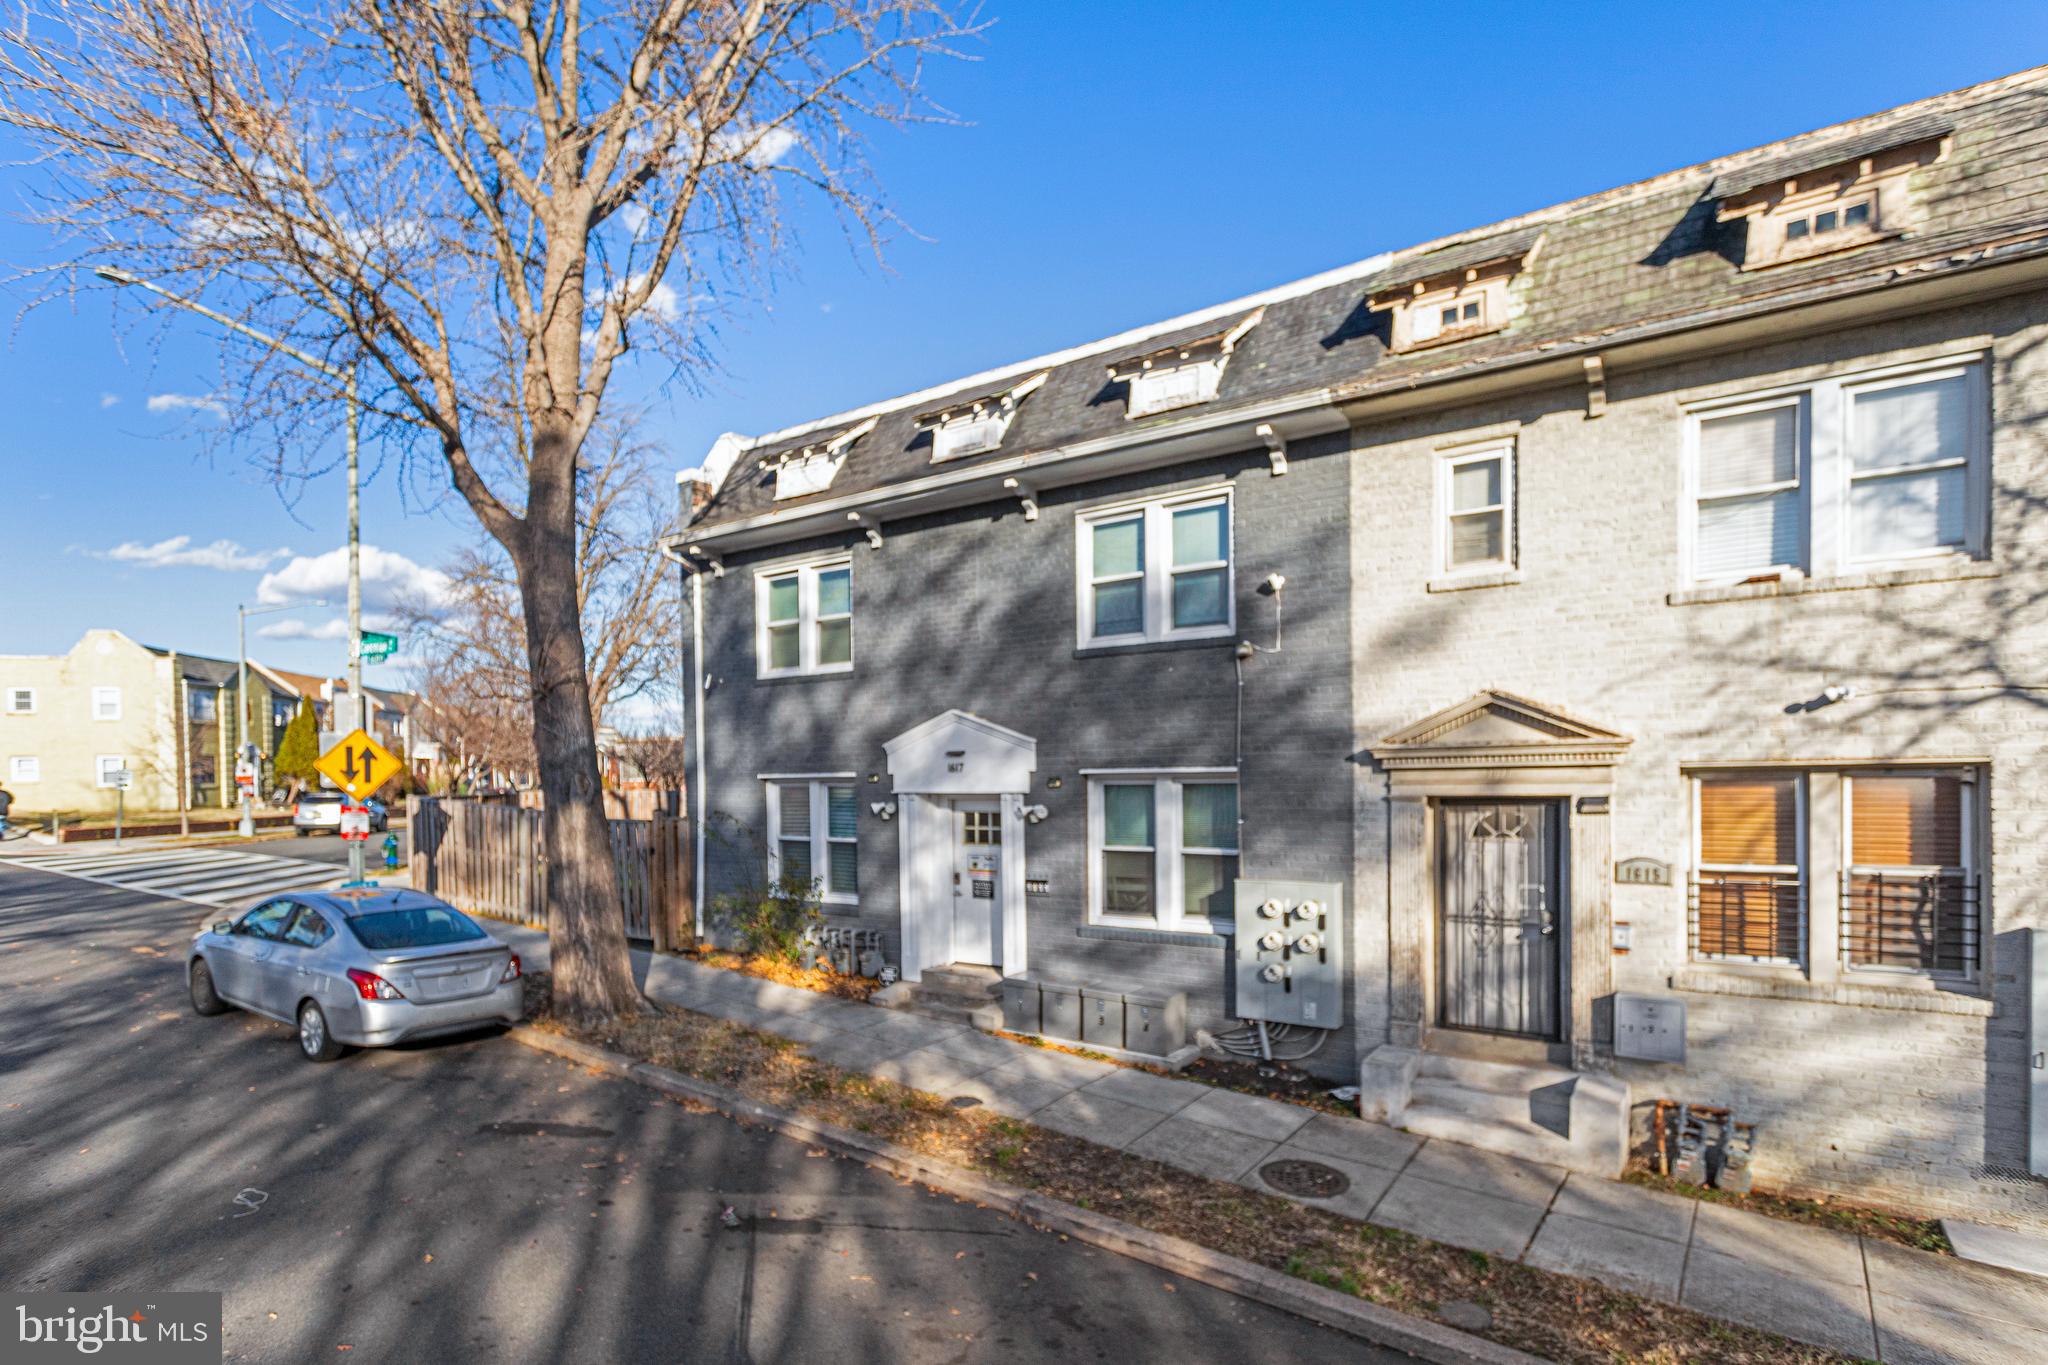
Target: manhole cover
(963, 1101)
(1305, 1179)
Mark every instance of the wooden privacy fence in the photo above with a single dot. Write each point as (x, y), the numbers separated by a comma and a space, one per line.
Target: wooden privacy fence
(489, 859)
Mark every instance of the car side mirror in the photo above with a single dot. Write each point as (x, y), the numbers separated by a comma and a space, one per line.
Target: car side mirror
(223, 926)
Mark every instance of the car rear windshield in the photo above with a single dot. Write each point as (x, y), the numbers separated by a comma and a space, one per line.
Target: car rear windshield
(425, 926)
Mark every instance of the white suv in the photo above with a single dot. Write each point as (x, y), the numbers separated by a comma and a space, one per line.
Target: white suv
(317, 811)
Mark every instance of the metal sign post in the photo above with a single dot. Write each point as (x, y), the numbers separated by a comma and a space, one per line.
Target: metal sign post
(358, 765)
(121, 779)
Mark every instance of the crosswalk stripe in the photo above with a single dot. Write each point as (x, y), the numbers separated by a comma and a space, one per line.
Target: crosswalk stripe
(209, 877)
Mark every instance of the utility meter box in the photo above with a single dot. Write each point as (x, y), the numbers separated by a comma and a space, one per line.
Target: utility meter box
(1102, 1017)
(1290, 952)
(1061, 1006)
(1020, 1004)
(1649, 1028)
(1156, 1025)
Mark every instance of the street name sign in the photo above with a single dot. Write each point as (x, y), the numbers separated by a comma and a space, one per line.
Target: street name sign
(375, 646)
(358, 764)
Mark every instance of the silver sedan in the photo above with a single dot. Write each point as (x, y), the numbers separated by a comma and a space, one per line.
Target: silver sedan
(356, 968)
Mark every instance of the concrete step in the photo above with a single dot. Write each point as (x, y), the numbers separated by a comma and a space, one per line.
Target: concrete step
(1455, 1123)
(1549, 1111)
(1504, 1078)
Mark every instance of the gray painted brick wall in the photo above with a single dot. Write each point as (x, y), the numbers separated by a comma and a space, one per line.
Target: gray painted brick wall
(974, 609)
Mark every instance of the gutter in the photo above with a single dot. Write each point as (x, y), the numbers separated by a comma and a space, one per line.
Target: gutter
(696, 573)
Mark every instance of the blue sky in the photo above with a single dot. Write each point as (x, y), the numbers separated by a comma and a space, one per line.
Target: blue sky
(1112, 165)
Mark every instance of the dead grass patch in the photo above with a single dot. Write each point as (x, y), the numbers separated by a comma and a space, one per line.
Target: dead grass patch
(1906, 1230)
(788, 973)
(1553, 1316)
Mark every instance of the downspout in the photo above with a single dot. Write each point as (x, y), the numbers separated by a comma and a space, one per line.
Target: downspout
(696, 726)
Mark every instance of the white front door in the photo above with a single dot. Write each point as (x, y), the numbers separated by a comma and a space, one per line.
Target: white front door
(977, 880)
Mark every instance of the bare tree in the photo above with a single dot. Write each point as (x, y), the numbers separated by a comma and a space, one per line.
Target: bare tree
(471, 640)
(660, 754)
(485, 203)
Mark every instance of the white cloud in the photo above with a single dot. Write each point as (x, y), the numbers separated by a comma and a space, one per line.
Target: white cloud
(389, 580)
(181, 402)
(760, 146)
(178, 552)
(108, 400)
(333, 629)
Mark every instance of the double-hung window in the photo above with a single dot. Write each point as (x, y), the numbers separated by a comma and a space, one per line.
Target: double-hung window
(1749, 880)
(201, 704)
(1749, 510)
(1909, 892)
(1156, 571)
(1911, 443)
(1163, 850)
(1476, 501)
(24, 768)
(106, 703)
(107, 770)
(813, 837)
(21, 701)
(1843, 475)
(805, 616)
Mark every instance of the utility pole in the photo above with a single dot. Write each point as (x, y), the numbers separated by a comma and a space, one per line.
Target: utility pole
(347, 378)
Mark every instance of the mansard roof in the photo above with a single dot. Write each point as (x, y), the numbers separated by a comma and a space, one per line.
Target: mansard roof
(1645, 259)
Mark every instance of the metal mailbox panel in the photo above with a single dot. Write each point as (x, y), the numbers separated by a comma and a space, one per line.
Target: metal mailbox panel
(2037, 1056)
(1649, 1028)
(1102, 1017)
(1156, 1025)
(1289, 952)
(1020, 1004)
(1061, 1006)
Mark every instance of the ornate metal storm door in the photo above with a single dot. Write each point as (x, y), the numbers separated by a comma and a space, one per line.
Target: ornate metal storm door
(1498, 925)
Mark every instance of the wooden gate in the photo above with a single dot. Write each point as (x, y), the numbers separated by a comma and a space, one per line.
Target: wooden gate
(489, 859)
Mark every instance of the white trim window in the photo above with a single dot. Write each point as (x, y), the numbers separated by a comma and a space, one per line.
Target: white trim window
(1747, 508)
(1445, 314)
(1844, 475)
(106, 703)
(24, 768)
(805, 619)
(813, 835)
(21, 701)
(1156, 571)
(105, 766)
(1476, 508)
(1911, 901)
(1912, 443)
(1749, 868)
(1163, 851)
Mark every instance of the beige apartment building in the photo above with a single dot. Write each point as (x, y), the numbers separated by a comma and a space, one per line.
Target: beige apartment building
(69, 722)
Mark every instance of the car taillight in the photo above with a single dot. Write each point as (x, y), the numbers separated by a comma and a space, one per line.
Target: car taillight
(371, 986)
(511, 972)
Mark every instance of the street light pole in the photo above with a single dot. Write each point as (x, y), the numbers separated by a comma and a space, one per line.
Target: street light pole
(347, 378)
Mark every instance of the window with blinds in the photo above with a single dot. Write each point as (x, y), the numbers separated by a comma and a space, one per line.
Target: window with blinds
(1475, 502)
(1909, 897)
(814, 837)
(1748, 513)
(1909, 464)
(1748, 899)
(1164, 851)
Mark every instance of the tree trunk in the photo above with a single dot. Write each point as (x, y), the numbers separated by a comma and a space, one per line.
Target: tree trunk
(592, 973)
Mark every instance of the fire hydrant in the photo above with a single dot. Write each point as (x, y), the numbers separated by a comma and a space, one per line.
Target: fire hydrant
(391, 850)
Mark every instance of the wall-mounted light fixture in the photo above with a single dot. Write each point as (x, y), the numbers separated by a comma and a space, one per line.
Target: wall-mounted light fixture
(1054, 783)
(1035, 813)
(885, 809)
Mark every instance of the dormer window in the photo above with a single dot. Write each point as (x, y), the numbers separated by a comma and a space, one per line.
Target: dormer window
(1452, 294)
(1180, 376)
(976, 426)
(799, 473)
(1834, 197)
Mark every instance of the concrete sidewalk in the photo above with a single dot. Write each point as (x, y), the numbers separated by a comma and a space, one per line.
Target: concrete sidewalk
(1866, 1298)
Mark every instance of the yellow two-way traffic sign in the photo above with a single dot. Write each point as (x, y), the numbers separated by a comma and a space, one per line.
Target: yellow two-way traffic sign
(358, 765)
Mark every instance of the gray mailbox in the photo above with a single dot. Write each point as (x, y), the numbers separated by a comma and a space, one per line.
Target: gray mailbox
(1649, 1028)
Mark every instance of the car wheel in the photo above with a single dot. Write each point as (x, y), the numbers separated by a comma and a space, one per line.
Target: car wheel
(315, 1042)
(302, 833)
(205, 999)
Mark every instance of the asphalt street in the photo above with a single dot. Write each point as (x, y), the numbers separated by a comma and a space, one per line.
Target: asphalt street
(473, 1201)
(332, 848)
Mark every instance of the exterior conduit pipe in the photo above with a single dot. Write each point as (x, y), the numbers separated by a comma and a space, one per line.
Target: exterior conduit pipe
(697, 835)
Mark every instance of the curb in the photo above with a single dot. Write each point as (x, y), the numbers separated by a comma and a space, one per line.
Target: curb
(1418, 1337)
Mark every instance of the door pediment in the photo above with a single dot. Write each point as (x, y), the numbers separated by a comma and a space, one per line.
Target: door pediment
(958, 754)
(1494, 729)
